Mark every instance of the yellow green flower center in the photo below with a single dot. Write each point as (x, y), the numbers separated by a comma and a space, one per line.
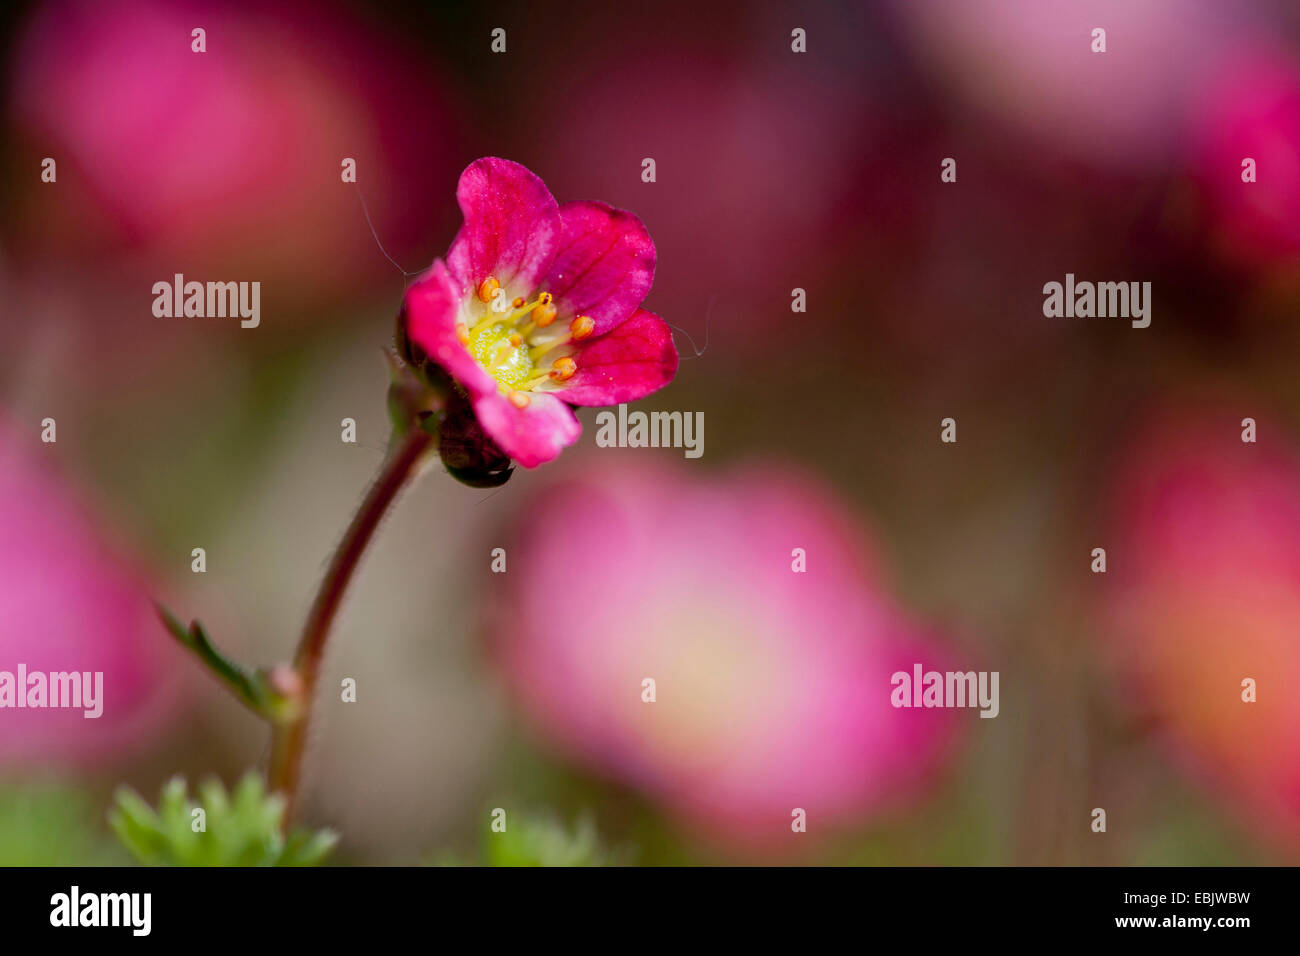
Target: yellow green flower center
(511, 366)
(514, 342)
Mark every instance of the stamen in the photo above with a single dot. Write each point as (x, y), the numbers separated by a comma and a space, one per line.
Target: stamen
(521, 309)
(537, 351)
(545, 314)
(505, 330)
(582, 326)
(563, 368)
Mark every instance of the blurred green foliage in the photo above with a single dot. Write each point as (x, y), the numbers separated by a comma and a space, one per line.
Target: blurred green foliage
(542, 839)
(239, 829)
(53, 825)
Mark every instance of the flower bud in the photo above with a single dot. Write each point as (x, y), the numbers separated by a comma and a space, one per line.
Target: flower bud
(470, 456)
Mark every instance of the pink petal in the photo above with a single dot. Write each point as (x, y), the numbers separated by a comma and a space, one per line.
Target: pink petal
(635, 359)
(531, 435)
(604, 263)
(512, 225)
(430, 309)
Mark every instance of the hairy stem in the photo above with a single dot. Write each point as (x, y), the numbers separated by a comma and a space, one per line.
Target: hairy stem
(289, 739)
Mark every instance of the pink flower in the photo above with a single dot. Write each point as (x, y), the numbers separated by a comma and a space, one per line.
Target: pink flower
(772, 686)
(1031, 64)
(1250, 109)
(69, 603)
(1204, 563)
(211, 164)
(537, 308)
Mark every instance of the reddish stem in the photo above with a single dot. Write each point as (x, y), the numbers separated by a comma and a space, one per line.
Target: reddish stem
(289, 739)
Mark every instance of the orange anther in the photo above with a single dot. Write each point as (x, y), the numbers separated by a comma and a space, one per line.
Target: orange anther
(563, 368)
(544, 314)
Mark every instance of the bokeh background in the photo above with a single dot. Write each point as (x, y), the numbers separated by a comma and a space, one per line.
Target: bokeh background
(775, 171)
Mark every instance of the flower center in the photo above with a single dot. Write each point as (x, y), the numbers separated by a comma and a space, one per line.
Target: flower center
(495, 348)
(515, 340)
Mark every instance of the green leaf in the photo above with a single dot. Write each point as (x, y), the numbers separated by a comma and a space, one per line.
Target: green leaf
(308, 849)
(239, 829)
(256, 689)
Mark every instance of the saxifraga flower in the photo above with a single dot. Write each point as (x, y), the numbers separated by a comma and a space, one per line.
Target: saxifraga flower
(536, 308)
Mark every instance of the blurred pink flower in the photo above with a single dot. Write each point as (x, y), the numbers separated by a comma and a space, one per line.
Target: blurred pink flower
(230, 160)
(1032, 64)
(1204, 564)
(69, 603)
(1250, 108)
(537, 308)
(773, 687)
